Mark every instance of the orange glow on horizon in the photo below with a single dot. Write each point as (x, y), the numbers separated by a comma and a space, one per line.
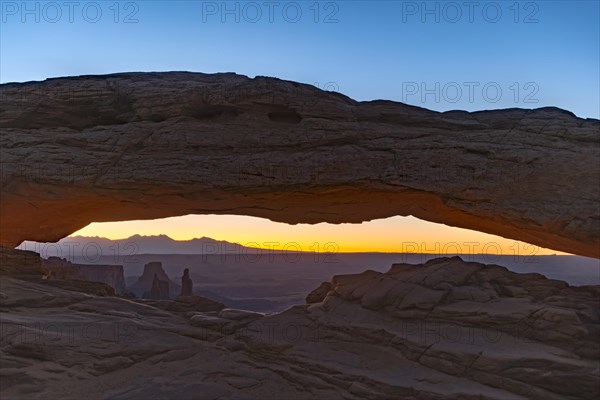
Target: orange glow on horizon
(395, 234)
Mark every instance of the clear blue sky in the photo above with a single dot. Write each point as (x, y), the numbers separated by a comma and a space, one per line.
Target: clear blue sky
(549, 50)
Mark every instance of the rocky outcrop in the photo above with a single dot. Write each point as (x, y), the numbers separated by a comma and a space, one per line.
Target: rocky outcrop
(100, 280)
(318, 295)
(151, 145)
(158, 291)
(527, 306)
(446, 329)
(21, 263)
(151, 280)
(62, 269)
(187, 285)
(417, 328)
(111, 275)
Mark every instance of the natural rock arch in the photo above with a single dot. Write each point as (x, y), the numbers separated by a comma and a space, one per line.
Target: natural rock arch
(151, 145)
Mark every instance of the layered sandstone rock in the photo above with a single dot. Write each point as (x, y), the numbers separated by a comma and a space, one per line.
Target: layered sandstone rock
(61, 269)
(21, 263)
(410, 332)
(442, 330)
(159, 290)
(154, 283)
(318, 295)
(150, 145)
(470, 294)
(111, 275)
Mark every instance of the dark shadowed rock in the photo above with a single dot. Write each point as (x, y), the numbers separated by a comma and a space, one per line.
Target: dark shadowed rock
(446, 329)
(95, 288)
(318, 295)
(61, 269)
(187, 286)
(528, 306)
(159, 290)
(21, 263)
(143, 286)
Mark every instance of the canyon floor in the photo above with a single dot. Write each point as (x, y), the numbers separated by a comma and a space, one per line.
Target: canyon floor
(445, 329)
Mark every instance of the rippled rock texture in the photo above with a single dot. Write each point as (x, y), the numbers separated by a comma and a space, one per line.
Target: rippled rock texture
(446, 329)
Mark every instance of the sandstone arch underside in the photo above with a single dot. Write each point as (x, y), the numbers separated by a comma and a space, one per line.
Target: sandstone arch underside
(151, 145)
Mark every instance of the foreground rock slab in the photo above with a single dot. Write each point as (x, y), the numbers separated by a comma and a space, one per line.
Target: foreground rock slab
(150, 145)
(442, 330)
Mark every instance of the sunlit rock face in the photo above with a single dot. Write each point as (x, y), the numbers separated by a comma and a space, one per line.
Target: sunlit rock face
(151, 145)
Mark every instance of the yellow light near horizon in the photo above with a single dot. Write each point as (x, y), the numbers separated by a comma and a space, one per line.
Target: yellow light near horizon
(395, 234)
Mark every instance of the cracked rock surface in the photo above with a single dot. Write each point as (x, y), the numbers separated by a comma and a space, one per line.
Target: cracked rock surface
(150, 145)
(446, 329)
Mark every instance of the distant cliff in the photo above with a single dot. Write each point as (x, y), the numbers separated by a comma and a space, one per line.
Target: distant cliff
(111, 275)
(143, 286)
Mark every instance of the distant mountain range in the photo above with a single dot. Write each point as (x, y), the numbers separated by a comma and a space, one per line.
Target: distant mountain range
(89, 247)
